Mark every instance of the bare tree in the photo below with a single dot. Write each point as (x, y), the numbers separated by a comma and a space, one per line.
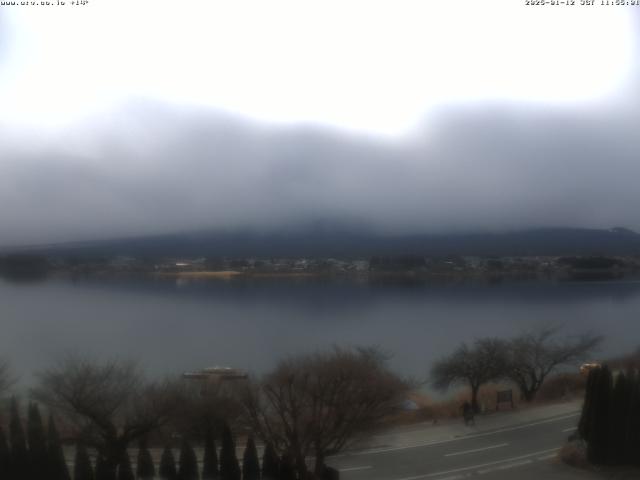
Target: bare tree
(110, 404)
(483, 362)
(206, 406)
(318, 404)
(534, 355)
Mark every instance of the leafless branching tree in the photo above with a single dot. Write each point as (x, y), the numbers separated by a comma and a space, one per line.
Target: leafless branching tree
(536, 354)
(206, 406)
(482, 362)
(318, 404)
(109, 403)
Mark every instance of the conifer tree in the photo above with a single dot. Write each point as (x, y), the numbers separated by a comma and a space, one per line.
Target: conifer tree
(19, 463)
(632, 450)
(250, 462)
(589, 405)
(229, 467)
(210, 470)
(5, 455)
(103, 472)
(619, 418)
(167, 470)
(287, 469)
(145, 469)
(82, 469)
(597, 450)
(125, 472)
(37, 443)
(270, 463)
(57, 465)
(188, 464)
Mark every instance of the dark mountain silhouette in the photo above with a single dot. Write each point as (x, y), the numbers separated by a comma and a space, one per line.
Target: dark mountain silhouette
(342, 242)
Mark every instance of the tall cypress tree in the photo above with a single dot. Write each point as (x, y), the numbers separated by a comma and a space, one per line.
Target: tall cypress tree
(270, 463)
(37, 443)
(167, 470)
(229, 467)
(597, 449)
(145, 468)
(19, 465)
(188, 465)
(589, 405)
(618, 420)
(632, 450)
(5, 455)
(210, 470)
(82, 469)
(57, 464)
(250, 462)
(287, 469)
(103, 472)
(125, 472)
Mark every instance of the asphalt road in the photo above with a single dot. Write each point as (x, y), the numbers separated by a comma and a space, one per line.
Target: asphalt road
(521, 451)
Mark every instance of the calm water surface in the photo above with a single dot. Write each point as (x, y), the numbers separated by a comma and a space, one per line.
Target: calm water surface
(173, 326)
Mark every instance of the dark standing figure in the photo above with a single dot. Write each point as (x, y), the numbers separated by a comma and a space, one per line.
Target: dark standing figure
(467, 414)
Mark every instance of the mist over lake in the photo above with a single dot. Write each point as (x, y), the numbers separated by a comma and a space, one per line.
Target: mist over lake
(171, 326)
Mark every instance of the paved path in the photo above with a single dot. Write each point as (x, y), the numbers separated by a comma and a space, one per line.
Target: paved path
(520, 445)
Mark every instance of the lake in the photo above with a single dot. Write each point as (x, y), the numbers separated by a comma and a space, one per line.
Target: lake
(171, 325)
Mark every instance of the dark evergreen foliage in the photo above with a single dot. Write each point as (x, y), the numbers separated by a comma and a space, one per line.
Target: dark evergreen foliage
(250, 462)
(19, 462)
(599, 421)
(619, 415)
(610, 422)
(270, 463)
(167, 470)
(287, 468)
(103, 472)
(229, 467)
(125, 471)
(82, 469)
(37, 440)
(57, 465)
(5, 455)
(632, 447)
(330, 473)
(210, 469)
(589, 405)
(145, 469)
(188, 464)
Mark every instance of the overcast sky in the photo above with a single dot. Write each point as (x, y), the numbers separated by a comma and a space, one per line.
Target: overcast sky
(132, 117)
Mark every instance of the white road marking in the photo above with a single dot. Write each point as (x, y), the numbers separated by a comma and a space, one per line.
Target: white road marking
(476, 467)
(569, 429)
(353, 469)
(476, 450)
(505, 467)
(373, 451)
(548, 457)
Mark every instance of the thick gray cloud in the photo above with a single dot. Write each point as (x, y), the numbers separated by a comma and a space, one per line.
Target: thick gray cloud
(151, 168)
